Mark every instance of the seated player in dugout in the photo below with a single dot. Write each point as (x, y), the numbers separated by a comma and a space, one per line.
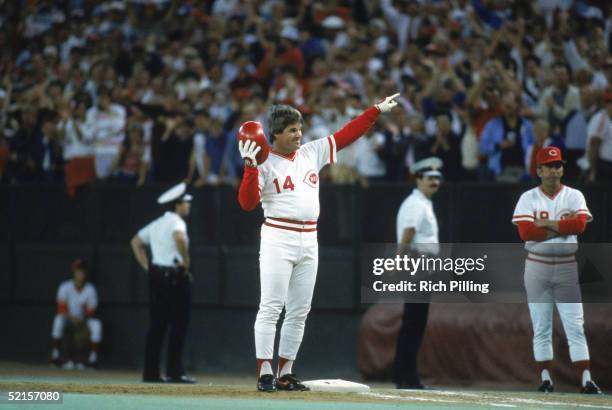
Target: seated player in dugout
(287, 185)
(77, 301)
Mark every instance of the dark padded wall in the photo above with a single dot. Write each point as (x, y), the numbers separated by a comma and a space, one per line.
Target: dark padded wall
(5, 264)
(42, 231)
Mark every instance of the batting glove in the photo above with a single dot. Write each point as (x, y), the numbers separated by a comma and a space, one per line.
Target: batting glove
(248, 152)
(388, 103)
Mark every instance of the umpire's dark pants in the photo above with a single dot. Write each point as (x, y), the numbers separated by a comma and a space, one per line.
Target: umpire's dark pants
(411, 333)
(170, 303)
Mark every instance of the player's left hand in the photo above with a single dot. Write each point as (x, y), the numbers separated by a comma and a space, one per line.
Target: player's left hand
(248, 152)
(388, 103)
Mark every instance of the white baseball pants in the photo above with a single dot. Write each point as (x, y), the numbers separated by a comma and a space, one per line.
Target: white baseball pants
(548, 285)
(94, 325)
(288, 264)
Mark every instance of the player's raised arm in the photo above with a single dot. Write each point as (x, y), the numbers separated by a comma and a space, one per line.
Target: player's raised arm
(254, 150)
(362, 123)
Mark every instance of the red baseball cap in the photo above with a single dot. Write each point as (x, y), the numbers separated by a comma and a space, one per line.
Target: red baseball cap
(547, 155)
(78, 264)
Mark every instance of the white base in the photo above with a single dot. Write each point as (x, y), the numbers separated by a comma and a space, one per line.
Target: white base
(336, 385)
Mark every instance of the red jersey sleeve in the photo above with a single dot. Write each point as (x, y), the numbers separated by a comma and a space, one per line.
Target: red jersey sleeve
(356, 127)
(573, 226)
(62, 308)
(248, 194)
(529, 231)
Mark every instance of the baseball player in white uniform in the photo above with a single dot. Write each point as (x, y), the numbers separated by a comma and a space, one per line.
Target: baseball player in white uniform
(417, 227)
(77, 301)
(549, 218)
(287, 185)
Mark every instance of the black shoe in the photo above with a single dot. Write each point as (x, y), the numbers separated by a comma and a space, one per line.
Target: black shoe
(546, 387)
(93, 365)
(267, 383)
(590, 388)
(181, 379)
(290, 382)
(417, 386)
(57, 363)
(154, 380)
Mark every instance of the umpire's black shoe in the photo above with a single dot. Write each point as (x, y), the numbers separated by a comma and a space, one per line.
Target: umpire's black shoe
(417, 386)
(546, 387)
(290, 382)
(267, 383)
(181, 379)
(154, 379)
(590, 388)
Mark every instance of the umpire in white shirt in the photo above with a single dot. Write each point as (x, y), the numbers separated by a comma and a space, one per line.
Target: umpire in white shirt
(169, 285)
(417, 228)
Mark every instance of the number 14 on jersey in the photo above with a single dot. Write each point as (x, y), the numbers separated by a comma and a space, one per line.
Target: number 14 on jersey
(288, 184)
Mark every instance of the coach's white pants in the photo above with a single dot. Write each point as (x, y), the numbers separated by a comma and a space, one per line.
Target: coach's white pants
(94, 325)
(288, 270)
(546, 285)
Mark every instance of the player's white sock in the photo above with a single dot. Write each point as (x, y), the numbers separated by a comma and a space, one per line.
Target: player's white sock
(266, 368)
(586, 376)
(546, 375)
(286, 369)
(55, 354)
(93, 356)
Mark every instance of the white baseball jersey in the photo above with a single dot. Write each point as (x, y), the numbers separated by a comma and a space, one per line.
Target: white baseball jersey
(417, 212)
(289, 185)
(536, 204)
(77, 302)
(159, 234)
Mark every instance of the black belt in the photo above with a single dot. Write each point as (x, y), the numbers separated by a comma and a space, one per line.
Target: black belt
(173, 270)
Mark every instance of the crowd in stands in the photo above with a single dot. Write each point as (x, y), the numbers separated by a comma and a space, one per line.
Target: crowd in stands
(153, 91)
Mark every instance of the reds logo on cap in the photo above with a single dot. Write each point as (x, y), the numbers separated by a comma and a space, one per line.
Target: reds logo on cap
(548, 154)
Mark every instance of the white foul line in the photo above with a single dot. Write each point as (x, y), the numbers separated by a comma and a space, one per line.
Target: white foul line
(500, 401)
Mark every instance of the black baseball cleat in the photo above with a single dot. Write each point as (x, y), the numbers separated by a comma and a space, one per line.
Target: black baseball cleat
(546, 387)
(590, 388)
(267, 383)
(289, 382)
(417, 386)
(184, 379)
(57, 363)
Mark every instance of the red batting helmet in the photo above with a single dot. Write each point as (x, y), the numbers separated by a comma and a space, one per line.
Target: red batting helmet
(253, 130)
